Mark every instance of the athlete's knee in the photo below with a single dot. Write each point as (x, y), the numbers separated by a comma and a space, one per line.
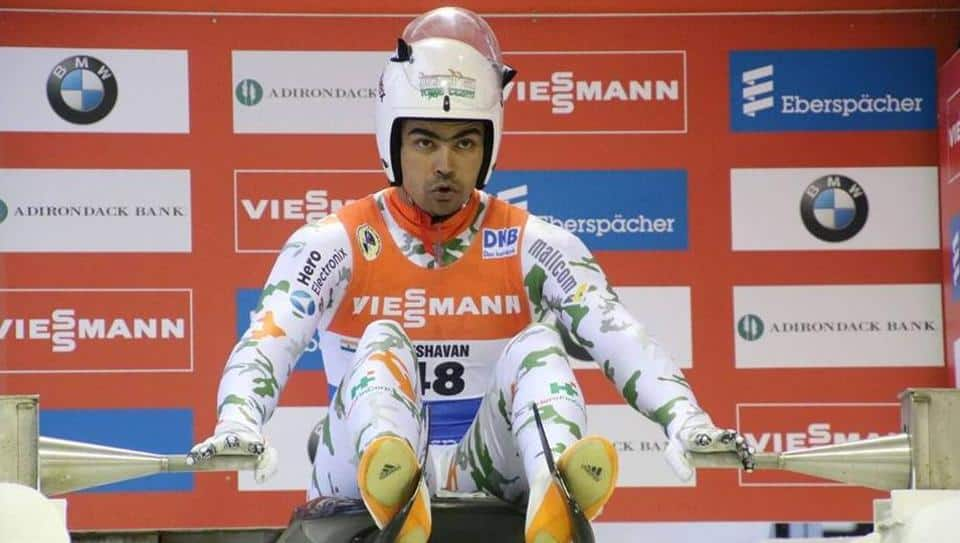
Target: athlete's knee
(538, 348)
(535, 337)
(385, 335)
(385, 326)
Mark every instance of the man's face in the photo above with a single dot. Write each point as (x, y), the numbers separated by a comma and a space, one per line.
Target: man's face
(440, 161)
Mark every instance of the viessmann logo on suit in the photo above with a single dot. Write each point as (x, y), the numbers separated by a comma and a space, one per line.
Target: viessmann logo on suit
(96, 330)
(850, 89)
(629, 209)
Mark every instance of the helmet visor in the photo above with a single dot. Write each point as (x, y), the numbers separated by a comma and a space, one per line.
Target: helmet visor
(457, 24)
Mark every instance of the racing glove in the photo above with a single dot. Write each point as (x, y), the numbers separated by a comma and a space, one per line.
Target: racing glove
(698, 434)
(238, 438)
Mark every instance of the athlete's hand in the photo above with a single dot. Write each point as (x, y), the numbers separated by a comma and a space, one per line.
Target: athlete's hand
(236, 438)
(701, 436)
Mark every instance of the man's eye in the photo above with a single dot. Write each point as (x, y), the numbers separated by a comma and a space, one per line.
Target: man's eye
(466, 144)
(424, 143)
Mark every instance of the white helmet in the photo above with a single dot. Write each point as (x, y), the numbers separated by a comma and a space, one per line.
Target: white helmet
(448, 65)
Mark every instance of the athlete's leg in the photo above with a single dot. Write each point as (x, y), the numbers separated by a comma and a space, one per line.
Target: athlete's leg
(502, 447)
(371, 439)
(502, 453)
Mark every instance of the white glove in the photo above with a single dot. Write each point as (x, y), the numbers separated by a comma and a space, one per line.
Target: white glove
(698, 434)
(237, 438)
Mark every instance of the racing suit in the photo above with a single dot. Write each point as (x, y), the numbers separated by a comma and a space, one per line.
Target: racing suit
(472, 318)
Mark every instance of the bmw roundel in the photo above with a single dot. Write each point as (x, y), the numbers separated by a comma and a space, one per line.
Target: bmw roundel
(82, 89)
(834, 208)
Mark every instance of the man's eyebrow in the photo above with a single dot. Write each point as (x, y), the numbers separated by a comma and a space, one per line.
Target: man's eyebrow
(463, 133)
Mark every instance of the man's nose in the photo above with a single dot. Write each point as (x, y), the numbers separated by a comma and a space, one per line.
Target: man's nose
(443, 161)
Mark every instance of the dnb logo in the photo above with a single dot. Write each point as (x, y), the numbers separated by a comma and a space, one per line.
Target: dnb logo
(3, 211)
(834, 208)
(750, 327)
(82, 89)
(500, 242)
(249, 92)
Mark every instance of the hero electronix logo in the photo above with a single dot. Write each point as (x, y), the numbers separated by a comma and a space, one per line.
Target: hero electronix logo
(96, 330)
(82, 89)
(564, 90)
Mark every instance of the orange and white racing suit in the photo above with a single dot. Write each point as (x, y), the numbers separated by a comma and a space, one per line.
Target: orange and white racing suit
(474, 319)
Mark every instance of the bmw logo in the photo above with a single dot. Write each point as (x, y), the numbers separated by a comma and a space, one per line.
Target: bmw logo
(834, 208)
(249, 92)
(82, 89)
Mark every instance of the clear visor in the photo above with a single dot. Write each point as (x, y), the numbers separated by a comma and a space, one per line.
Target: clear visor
(456, 24)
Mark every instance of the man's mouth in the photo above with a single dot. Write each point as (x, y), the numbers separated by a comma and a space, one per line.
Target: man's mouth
(443, 190)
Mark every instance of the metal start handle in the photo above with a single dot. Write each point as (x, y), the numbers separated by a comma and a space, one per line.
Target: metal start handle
(732, 461)
(176, 463)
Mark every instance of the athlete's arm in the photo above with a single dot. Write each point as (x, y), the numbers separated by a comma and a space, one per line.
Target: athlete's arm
(301, 294)
(308, 278)
(564, 282)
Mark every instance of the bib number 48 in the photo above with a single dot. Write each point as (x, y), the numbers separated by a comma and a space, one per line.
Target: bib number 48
(447, 379)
